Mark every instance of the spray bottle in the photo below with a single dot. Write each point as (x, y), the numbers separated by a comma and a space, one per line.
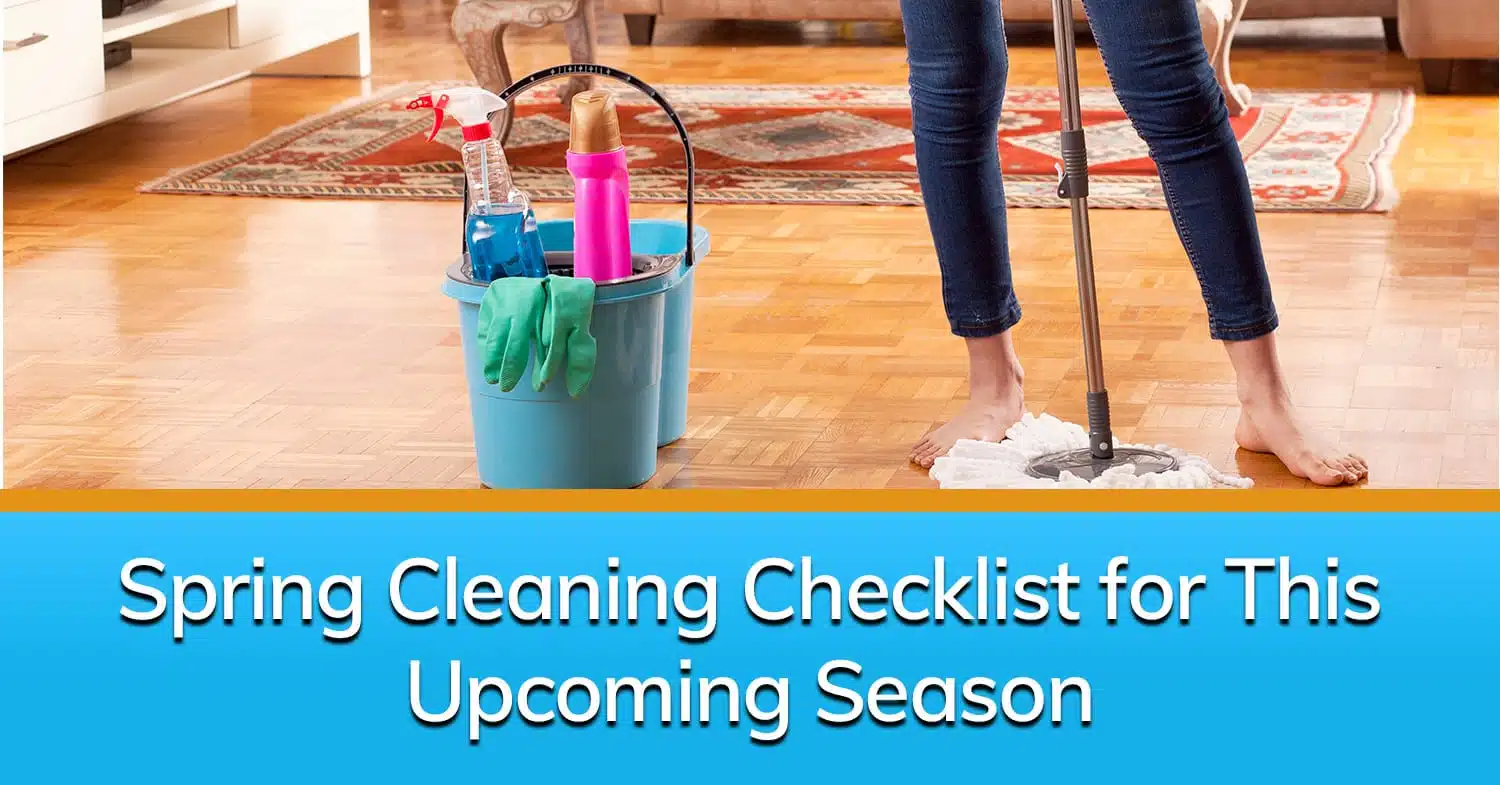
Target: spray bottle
(601, 189)
(500, 230)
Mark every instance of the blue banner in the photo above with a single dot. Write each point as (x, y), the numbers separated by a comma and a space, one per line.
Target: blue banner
(730, 647)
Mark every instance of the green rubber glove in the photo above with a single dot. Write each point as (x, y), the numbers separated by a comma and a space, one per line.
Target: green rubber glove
(509, 317)
(565, 342)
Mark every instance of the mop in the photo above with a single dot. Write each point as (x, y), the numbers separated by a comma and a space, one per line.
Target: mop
(1045, 452)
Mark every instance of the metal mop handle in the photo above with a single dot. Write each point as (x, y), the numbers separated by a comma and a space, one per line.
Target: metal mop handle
(1073, 185)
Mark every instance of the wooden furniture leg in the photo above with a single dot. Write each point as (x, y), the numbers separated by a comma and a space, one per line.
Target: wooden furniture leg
(1392, 28)
(480, 27)
(640, 28)
(582, 34)
(1219, 20)
(1437, 76)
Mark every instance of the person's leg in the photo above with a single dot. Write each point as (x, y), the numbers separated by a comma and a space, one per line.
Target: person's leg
(1154, 54)
(956, 53)
(1269, 422)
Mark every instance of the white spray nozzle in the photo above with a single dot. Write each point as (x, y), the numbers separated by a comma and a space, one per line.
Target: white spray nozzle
(471, 106)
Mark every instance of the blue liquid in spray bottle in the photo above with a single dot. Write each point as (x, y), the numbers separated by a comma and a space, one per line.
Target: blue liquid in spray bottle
(504, 244)
(500, 231)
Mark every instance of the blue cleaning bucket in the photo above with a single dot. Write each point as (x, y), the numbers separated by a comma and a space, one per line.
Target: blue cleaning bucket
(659, 238)
(607, 437)
(604, 438)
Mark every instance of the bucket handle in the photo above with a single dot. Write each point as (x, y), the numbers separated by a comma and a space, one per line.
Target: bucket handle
(589, 69)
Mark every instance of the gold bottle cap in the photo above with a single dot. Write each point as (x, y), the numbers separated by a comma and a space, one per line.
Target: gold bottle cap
(595, 125)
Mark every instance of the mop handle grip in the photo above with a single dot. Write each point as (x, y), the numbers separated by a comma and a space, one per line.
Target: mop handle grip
(589, 69)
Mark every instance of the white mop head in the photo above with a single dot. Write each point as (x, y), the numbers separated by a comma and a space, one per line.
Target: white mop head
(973, 464)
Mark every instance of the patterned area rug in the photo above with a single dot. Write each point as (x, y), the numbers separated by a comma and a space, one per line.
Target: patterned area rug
(783, 144)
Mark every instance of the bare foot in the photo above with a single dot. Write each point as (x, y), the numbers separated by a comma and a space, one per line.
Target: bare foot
(1269, 422)
(1273, 427)
(995, 401)
(986, 417)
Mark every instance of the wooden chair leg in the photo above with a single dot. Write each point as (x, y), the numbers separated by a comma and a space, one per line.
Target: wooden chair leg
(582, 33)
(480, 26)
(1219, 20)
(480, 30)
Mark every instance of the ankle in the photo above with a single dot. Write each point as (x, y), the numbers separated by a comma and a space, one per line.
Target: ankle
(994, 366)
(1001, 382)
(1267, 394)
(1257, 370)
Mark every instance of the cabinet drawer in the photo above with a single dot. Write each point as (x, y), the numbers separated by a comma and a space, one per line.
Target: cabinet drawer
(54, 55)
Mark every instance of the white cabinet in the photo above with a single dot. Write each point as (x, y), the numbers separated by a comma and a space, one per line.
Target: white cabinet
(56, 85)
(54, 55)
(257, 20)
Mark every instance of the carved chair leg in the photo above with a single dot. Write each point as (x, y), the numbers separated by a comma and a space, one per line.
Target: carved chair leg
(481, 34)
(1219, 19)
(480, 29)
(581, 32)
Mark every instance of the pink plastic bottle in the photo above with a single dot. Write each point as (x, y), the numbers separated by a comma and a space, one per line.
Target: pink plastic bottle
(601, 189)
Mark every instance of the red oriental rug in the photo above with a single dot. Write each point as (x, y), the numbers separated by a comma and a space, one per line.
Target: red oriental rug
(785, 144)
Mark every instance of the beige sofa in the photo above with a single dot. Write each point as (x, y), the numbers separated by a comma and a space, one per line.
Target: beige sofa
(1440, 33)
(1437, 32)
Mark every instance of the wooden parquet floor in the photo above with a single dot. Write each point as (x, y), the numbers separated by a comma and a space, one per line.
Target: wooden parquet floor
(168, 341)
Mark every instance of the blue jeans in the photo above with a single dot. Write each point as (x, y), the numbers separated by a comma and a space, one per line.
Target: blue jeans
(1153, 51)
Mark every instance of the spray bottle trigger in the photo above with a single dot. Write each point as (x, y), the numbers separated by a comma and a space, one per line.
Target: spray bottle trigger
(437, 107)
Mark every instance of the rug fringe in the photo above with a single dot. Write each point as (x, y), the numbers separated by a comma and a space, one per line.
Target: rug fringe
(1388, 196)
(159, 184)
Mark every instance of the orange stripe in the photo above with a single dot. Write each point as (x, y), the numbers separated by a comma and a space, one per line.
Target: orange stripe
(748, 501)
